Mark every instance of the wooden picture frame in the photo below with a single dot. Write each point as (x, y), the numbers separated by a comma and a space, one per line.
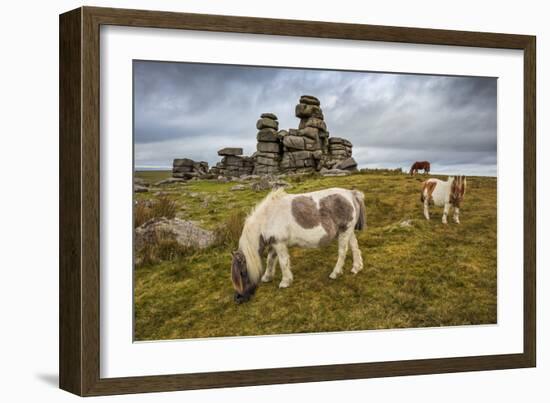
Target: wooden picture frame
(79, 201)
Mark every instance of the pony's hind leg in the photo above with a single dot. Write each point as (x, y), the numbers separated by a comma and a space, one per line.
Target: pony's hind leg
(445, 213)
(456, 215)
(426, 207)
(270, 266)
(356, 253)
(284, 262)
(343, 243)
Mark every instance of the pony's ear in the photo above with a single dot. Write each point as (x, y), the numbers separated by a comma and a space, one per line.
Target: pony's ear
(233, 253)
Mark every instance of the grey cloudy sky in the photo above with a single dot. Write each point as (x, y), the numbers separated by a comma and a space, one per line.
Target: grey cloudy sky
(192, 110)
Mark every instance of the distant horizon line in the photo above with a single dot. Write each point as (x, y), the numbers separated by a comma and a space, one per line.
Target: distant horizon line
(168, 168)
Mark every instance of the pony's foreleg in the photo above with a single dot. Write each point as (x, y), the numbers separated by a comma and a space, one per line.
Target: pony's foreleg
(343, 243)
(356, 252)
(270, 266)
(426, 205)
(445, 213)
(284, 262)
(456, 214)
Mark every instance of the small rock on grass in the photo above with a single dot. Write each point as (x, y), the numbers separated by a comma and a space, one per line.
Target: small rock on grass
(140, 189)
(406, 223)
(238, 187)
(169, 181)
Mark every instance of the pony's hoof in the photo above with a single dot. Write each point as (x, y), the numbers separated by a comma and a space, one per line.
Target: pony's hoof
(357, 269)
(267, 279)
(334, 275)
(285, 284)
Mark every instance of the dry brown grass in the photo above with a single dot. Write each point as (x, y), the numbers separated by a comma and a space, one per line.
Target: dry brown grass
(145, 210)
(229, 231)
(163, 247)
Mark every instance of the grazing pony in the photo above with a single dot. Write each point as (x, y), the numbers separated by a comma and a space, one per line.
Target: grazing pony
(444, 194)
(307, 220)
(425, 165)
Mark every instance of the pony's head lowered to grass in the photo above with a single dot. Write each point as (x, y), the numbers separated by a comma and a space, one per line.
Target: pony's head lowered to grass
(246, 265)
(244, 286)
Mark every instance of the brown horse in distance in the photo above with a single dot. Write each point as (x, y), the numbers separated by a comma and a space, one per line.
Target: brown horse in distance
(425, 165)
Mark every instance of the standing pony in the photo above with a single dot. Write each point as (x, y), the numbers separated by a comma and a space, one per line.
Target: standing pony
(307, 220)
(444, 194)
(425, 165)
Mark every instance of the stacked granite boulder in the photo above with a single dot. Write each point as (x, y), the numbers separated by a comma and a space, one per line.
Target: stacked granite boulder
(339, 148)
(233, 163)
(186, 168)
(268, 148)
(340, 151)
(304, 148)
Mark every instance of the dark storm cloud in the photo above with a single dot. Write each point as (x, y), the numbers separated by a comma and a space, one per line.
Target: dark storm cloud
(192, 110)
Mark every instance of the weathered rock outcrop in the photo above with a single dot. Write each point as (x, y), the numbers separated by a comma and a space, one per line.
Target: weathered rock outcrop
(186, 168)
(183, 232)
(233, 163)
(305, 149)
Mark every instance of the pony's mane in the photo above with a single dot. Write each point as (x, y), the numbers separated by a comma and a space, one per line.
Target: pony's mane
(275, 194)
(249, 243)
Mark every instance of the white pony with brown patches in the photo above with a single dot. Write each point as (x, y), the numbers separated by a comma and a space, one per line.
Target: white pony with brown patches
(307, 220)
(444, 194)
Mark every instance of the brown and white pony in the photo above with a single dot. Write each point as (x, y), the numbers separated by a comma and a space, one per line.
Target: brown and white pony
(425, 165)
(307, 220)
(444, 194)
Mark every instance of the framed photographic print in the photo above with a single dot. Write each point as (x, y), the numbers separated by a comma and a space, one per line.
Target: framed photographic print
(250, 201)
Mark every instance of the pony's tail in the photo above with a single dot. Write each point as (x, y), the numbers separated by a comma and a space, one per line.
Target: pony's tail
(359, 198)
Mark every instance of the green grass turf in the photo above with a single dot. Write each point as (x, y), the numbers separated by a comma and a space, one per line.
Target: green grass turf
(425, 275)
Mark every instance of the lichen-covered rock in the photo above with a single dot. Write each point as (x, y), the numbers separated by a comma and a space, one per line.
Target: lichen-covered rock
(170, 181)
(314, 122)
(233, 151)
(263, 123)
(294, 142)
(311, 132)
(238, 187)
(266, 161)
(140, 189)
(269, 115)
(183, 162)
(339, 140)
(274, 156)
(260, 169)
(267, 183)
(183, 232)
(306, 111)
(140, 181)
(310, 100)
(268, 135)
(348, 164)
(268, 147)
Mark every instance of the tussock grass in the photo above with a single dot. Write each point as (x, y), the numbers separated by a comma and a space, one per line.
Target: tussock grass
(163, 247)
(161, 207)
(424, 275)
(229, 231)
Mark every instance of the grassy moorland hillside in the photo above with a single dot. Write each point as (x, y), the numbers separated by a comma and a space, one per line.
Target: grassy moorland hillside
(423, 275)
